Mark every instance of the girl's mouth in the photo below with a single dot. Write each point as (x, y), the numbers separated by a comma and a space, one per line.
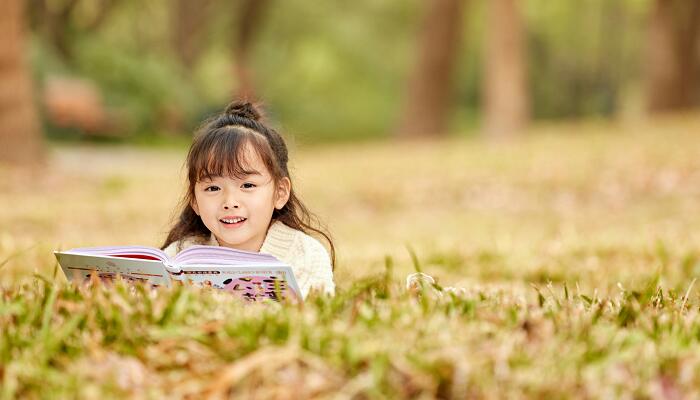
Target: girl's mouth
(234, 221)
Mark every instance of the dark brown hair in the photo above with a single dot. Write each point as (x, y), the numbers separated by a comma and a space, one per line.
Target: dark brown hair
(218, 149)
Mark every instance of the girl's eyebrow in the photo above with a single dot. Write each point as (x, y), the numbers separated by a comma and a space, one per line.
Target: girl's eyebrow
(244, 174)
(251, 172)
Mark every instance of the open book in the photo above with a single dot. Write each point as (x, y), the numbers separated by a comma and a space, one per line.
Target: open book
(253, 276)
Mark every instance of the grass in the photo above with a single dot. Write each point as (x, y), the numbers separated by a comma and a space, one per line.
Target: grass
(372, 340)
(576, 249)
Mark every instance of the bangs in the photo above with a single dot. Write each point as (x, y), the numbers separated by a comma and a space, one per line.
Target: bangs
(227, 152)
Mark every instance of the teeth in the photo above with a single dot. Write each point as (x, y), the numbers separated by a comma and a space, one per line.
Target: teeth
(233, 220)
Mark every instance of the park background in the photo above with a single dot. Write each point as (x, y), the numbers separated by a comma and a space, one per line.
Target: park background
(542, 155)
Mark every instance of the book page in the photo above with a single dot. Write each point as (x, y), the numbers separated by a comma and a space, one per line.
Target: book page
(138, 252)
(222, 255)
(251, 283)
(80, 267)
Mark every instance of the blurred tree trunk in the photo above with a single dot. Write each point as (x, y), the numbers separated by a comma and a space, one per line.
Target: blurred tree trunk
(249, 20)
(610, 74)
(20, 137)
(427, 99)
(505, 91)
(57, 23)
(674, 30)
(189, 24)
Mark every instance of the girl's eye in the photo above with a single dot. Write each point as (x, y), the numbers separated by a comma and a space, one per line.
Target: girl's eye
(211, 188)
(248, 185)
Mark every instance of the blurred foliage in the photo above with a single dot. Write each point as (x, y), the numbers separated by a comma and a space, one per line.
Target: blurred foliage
(582, 57)
(336, 77)
(336, 70)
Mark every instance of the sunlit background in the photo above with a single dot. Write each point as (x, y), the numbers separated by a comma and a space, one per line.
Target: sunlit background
(540, 158)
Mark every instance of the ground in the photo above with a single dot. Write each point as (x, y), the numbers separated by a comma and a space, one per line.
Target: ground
(576, 247)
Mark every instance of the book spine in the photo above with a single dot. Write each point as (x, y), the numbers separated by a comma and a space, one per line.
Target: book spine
(174, 271)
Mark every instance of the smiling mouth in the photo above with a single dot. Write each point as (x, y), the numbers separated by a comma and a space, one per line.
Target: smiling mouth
(232, 221)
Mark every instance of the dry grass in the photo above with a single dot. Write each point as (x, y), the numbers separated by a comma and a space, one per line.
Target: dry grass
(610, 215)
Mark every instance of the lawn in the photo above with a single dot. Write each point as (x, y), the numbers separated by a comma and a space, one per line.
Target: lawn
(576, 249)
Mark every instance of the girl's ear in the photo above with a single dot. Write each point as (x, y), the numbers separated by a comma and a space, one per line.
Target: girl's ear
(284, 189)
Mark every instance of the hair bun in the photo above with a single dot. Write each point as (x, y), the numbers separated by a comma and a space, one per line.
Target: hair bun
(243, 109)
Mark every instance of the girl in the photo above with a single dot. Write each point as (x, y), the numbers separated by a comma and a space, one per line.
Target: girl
(240, 196)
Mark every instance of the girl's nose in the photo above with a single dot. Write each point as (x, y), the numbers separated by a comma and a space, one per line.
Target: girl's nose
(230, 201)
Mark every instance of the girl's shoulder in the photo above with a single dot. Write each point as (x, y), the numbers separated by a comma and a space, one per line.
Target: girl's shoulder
(287, 243)
(308, 258)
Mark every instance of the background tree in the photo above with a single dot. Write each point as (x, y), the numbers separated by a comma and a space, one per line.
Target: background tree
(161, 66)
(505, 92)
(188, 26)
(249, 19)
(673, 57)
(427, 99)
(20, 137)
(57, 23)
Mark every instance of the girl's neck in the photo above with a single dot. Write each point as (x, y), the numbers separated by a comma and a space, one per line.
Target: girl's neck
(251, 247)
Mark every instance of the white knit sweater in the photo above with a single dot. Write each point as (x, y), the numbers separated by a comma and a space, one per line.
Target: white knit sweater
(307, 256)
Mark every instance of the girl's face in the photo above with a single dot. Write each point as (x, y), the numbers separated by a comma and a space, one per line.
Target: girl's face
(238, 211)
